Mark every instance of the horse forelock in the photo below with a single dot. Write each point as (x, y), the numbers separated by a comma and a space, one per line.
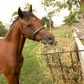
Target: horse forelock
(26, 16)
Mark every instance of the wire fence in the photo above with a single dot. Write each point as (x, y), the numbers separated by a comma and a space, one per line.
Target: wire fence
(65, 67)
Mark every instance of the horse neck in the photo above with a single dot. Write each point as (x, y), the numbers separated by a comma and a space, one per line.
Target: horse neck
(21, 45)
(15, 37)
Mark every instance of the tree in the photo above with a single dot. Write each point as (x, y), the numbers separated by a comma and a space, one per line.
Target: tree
(52, 7)
(3, 31)
(76, 4)
(45, 22)
(82, 8)
(71, 18)
(73, 4)
(76, 8)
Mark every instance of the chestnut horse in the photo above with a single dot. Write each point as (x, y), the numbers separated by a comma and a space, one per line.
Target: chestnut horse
(27, 25)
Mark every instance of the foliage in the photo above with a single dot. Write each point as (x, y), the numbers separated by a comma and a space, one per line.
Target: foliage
(76, 4)
(73, 17)
(82, 8)
(76, 7)
(14, 13)
(26, 7)
(52, 7)
(3, 31)
(45, 22)
(73, 4)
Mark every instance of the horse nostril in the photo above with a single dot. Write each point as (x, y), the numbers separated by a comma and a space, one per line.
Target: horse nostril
(51, 39)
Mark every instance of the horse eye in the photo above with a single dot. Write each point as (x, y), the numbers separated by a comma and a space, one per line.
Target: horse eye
(29, 25)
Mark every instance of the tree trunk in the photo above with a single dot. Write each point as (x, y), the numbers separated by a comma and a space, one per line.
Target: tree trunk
(50, 24)
(82, 8)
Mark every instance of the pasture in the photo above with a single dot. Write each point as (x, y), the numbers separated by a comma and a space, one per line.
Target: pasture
(35, 70)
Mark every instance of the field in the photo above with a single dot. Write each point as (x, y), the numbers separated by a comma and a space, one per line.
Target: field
(35, 70)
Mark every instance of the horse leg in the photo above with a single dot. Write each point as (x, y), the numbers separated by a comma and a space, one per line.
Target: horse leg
(13, 78)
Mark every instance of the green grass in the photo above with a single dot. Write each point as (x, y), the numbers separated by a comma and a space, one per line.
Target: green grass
(64, 38)
(32, 73)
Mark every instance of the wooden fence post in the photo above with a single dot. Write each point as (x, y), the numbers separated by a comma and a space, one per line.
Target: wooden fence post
(81, 53)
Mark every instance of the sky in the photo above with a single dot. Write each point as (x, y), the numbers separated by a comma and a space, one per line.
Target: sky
(7, 7)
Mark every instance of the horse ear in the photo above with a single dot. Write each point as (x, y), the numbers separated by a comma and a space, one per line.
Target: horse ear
(30, 10)
(20, 13)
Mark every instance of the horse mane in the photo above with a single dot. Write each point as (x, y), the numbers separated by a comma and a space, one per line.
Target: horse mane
(14, 21)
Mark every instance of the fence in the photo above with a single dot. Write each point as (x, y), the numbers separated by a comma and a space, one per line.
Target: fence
(65, 67)
(80, 47)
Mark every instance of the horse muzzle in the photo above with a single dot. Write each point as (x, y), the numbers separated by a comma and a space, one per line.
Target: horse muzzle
(49, 40)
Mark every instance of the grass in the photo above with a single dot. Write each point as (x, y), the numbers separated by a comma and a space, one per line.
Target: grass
(32, 71)
(65, 42)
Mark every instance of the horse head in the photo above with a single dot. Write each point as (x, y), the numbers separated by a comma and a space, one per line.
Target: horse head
(32, 28)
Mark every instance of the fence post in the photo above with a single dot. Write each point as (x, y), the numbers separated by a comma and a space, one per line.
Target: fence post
(81, 53)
